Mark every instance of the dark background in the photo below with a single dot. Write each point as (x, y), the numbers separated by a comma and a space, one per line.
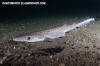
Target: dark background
(52, 8)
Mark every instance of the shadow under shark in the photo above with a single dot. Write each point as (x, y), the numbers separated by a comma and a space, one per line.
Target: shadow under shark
(51, 33)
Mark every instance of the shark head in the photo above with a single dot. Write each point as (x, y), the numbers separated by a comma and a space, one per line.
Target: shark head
(28, 38)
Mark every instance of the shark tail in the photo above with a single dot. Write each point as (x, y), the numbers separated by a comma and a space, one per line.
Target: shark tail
(81, 24)
(85, 22)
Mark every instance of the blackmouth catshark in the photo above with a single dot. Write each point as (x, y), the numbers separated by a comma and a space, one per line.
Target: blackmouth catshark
(52, 33)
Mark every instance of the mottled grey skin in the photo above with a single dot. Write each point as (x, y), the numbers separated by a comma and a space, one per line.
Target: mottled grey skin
(51, 33)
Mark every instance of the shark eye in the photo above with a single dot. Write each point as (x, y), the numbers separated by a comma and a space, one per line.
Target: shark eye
(28, 37)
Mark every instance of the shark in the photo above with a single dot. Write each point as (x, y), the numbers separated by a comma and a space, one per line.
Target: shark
(51, 33)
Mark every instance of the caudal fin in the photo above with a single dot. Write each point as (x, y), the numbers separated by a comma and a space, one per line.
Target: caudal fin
(85, 22)
(81, 24)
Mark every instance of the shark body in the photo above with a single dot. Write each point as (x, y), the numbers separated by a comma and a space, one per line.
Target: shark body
(51, 33)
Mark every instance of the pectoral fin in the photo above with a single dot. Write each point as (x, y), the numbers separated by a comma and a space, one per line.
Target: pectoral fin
(57, 40)
(48, 40)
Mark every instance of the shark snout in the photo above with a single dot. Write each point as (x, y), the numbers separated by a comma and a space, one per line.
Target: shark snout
(18, 39)
(15, 39)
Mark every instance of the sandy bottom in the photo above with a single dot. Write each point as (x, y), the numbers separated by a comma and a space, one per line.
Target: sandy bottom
(81, 47)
